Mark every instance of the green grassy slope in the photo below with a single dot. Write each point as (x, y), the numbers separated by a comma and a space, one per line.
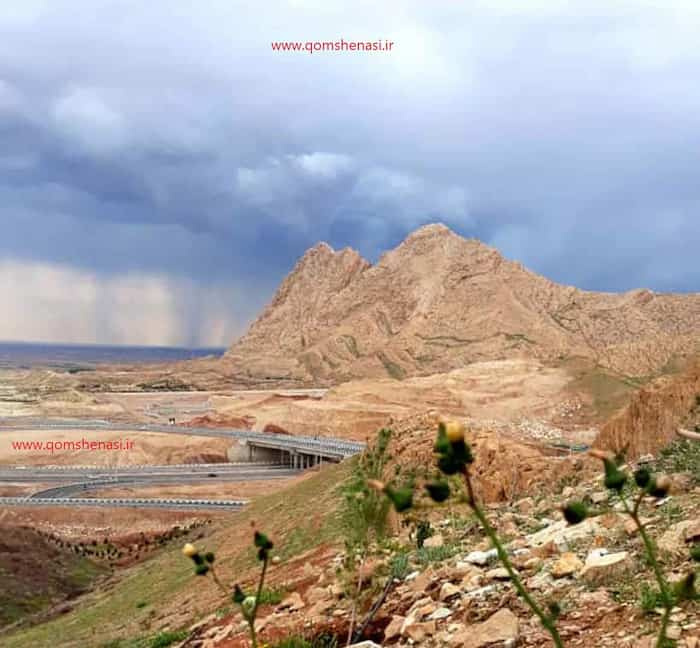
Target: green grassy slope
(163, 591)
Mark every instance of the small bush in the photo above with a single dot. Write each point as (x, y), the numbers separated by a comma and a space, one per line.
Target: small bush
(426, 555)
(324, 641)
(650, 598)
(270, 597)
(681, 456)
(167, 638)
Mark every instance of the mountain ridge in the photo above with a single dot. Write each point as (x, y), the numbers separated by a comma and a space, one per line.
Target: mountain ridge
(438, 302)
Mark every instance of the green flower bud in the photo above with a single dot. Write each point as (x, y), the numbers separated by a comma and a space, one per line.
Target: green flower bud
(238, 595)
(615, 479)
(642, 477)
(685, 590)
(449, 465)
(262, 541)
(439, 491)
(695, 552)
(209, 557)
(201, 569)
(575, 512)
(554, 609)
(402, 498)
(248, 606)
(462, 452)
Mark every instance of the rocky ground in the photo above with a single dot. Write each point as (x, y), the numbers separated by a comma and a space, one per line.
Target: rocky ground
(454, 591)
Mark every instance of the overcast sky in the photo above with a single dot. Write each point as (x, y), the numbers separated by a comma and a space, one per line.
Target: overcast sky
(162, 168)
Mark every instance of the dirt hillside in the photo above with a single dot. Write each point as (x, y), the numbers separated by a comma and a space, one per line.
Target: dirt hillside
(651, 419)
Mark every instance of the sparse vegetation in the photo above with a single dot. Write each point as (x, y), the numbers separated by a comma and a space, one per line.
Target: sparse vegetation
(454, 456)
(324, 641)
(617, 479)
(249, 604)
(681, 456)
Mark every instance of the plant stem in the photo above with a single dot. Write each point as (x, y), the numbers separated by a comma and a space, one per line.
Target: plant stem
(222, 587)
(658, 573)
(356, 601)
(253, 614)
(375, 608)
(545, 619)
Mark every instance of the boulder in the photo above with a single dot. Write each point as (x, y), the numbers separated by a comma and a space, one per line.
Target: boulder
(393, 630)
(673, 541)
(500, 628)
(601, 567)
(448, 591)
(568, 565)
(293, 602)
(481, 558)
(561, 534)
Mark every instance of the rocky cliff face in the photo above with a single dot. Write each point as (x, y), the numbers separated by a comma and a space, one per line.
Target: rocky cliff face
(651, 419)
(438, 302)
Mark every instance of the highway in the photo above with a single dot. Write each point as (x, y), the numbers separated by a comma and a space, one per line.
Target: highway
(327, 447)
(79, 479)
(290, 454)
(76, 502)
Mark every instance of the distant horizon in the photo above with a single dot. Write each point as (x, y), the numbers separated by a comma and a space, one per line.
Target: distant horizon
(110, 346)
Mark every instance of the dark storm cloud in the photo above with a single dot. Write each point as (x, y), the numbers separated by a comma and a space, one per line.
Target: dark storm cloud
(158, 139)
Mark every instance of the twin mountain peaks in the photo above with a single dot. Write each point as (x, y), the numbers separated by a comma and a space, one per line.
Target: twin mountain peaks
(438, 302)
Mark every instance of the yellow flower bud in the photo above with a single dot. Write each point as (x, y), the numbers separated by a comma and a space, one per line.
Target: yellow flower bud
(455, 431)
(376, 484)
(189, 550)
(276, 560)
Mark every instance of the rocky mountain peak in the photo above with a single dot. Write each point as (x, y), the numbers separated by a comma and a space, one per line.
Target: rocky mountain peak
(438, 302)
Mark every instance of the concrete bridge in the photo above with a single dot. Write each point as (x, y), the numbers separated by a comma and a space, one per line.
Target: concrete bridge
(269, 456)
(295, 451)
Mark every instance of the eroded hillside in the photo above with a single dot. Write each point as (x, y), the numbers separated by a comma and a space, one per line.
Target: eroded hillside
(439, 302)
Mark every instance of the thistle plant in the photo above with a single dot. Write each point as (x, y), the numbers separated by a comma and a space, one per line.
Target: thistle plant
(646, 484)
(249, 604)
(454, 457)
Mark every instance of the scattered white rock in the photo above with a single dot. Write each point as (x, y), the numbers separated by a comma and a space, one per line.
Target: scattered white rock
(600, 569)
(481, 557)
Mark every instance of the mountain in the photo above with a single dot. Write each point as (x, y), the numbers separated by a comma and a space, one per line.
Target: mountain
(439, 302)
